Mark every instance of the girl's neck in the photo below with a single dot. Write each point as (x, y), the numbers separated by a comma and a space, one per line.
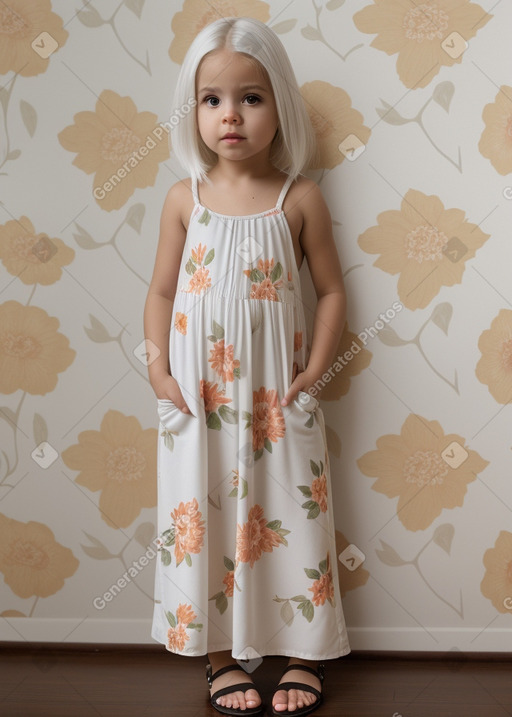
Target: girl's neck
(232, 172)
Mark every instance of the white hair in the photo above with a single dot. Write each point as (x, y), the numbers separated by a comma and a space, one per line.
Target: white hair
(294, 145)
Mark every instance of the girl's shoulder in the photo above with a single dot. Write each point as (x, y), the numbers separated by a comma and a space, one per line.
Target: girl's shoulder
(180, 199)
(303, 196)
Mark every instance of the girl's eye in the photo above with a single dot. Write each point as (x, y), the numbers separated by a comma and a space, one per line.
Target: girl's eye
(252, 99)
(211, 101)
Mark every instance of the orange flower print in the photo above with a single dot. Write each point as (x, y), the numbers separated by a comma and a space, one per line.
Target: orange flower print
(322, 588)
(195, 266)
(266, 280)
(223, 361)
(317, 494)
(185, 614)
(188, 531)
(267, 419)
(180, 323)
(427, 469)
(257, 536)
(177, 635)
(212, 397)
(228, 580)
(297, 341)
(494, 368)
(497, 582)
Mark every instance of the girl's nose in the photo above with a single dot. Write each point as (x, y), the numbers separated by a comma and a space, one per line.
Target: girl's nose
(231, 116)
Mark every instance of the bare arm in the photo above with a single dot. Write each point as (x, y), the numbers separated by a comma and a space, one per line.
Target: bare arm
(318, 244)
(161, 293)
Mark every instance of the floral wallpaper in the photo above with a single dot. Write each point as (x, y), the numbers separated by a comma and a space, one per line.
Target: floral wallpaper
(412, 106)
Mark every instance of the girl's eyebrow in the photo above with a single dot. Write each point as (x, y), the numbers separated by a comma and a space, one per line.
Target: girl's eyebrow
(242, 87)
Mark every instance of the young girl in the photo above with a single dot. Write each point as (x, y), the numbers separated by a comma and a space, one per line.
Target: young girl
(247, 564)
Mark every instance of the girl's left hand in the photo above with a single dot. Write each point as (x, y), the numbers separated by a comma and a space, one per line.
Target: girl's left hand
(301, 383)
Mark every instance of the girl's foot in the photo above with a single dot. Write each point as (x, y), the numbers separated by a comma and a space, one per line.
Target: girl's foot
(297, 699)
(238, 700)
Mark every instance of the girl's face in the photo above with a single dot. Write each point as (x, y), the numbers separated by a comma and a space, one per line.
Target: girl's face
(236, 111)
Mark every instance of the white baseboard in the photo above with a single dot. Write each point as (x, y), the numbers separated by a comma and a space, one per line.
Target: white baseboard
(87, 630)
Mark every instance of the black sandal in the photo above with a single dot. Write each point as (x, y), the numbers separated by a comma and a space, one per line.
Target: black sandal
(243, 686)
(307, 709)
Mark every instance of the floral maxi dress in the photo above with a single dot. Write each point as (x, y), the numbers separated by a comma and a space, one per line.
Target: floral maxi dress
(246, 537)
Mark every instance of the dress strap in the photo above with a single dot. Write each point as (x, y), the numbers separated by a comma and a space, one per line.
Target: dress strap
(284, 190)
(193, 184)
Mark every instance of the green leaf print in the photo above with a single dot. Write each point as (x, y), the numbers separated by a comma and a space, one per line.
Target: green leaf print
(308, 610)
(287, 613)
(166, 557)
(229, 415)
(305, 490)
(314, 512)
(229, 563)
(267, 443)
(276, 272)
(188, 560)
(309, 504)
(236, 372)
(171, 619)
(245, 488)
(312, 574)
(221, 603)
(258, 453)
(321, 468)
(213, 421)
(233, 493)
(217, 328)
(256, 275)
(205, 217)
(190, 266)
(195, 626)
(314, 468)
(209, 257)
(323, 566)
(274, 524)
(299, 598)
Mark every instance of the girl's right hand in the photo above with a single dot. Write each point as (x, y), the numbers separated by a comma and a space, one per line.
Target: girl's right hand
(168, 388)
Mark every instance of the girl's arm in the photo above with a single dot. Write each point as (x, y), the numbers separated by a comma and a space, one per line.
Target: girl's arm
(162, 289)
(317, 242)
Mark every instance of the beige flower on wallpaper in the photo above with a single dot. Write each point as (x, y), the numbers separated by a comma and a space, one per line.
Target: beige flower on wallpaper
(32, 561)
(119, 145)
(496, 140)
(426, 244)
(34, 258)
(348, 579)
(22, 22)
(427, 470)
(417, 32)
(196, 14)
(120, 461)
(351, 359)
(495, 365)
(32, 351)
(333, 119)
(497, 581)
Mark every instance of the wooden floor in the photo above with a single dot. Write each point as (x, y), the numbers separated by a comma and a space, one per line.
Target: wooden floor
(135, 681)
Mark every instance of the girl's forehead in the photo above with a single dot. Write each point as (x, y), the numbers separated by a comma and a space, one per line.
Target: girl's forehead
(222, 66)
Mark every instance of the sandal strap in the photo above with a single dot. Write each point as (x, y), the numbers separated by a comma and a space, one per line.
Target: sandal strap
(223, 670)
(298, 686)
(241, 686)
(318, 673)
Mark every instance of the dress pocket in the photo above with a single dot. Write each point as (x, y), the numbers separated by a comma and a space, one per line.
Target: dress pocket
(171, 417)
